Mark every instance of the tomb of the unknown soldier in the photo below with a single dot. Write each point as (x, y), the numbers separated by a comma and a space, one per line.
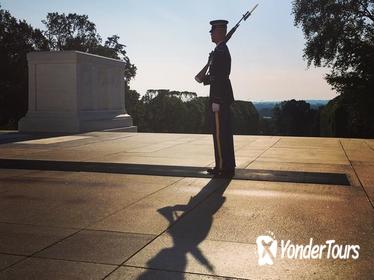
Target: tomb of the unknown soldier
(71, 91)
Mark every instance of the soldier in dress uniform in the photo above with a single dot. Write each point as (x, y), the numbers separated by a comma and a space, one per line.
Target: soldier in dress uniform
(220, 99)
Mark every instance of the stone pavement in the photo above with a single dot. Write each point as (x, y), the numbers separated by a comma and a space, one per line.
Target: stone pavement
(73, 212)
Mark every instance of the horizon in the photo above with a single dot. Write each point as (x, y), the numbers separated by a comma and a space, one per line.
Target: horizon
(266, 50)
(274, 101)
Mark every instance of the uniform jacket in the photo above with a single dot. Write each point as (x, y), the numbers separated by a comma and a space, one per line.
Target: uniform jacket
(218, 77)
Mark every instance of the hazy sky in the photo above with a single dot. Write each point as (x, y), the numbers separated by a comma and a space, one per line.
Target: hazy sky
(169, 42)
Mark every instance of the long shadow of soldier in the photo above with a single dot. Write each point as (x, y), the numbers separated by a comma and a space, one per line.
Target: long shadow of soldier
(188, 232)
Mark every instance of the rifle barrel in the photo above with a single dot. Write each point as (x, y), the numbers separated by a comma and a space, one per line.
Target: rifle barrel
(245, 16)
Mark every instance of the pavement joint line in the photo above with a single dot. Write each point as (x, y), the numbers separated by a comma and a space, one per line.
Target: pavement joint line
(370, 147)
(83, 144)
(354, 170)
(164, 231)
(50, 245)
(86, 144)
(71, 260)
(17, 262)
(145, 145)
(307, 163)
(54, 146)
(367, 144)
(97, 221)
(72, 228)
(33, 255)
(140, 199)
(116, 231)
(148, 155)
(39, 225)
(13, 254)
(188, 272)
(86, 228)
(263, 152)
(308, 148)
(148, 234)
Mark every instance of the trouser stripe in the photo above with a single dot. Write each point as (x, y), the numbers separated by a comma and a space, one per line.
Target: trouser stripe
(218, 139)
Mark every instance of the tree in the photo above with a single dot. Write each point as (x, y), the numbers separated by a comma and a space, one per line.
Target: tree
(163, 110)
(349, 115)
(17, 38)
(340, 34)
(245, 118)
(295, 118)
(77, 32)
(197, 120)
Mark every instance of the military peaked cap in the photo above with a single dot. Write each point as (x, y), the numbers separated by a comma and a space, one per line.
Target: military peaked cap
(220, 23)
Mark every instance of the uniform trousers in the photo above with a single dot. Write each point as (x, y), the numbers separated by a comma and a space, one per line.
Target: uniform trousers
(223, 138)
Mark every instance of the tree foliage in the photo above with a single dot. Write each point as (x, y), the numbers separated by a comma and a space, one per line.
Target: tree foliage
(245, 118)
(296, 118)
(163, 110)
(77, 32)
(17, 38)
(339, 34)
(349, 115)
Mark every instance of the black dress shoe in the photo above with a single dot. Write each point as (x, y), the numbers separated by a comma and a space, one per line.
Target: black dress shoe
(226, 173)
(229, 173)
(213, 171)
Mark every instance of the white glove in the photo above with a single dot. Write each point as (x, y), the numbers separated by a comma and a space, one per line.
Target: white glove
(215, 107)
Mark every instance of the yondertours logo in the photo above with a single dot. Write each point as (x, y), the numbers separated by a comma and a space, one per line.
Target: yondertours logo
(268, 250)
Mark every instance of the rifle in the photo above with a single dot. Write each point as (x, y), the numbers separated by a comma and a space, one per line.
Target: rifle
(200, 76)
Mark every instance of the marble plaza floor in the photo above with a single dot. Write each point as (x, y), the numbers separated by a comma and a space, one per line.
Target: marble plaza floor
(115, 205)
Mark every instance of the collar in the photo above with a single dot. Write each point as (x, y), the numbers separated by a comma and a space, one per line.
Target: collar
(219, 43)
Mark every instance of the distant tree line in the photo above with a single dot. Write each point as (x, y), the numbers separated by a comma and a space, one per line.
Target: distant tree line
(163, 110)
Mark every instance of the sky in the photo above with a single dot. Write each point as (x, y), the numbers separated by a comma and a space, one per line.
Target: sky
(169, 42)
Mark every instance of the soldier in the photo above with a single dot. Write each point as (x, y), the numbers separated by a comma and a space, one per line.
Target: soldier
(220, 99)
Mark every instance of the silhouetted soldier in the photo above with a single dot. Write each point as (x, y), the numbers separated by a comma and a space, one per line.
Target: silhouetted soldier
(220, 99)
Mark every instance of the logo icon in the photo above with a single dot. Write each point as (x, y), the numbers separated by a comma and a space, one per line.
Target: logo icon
(266, 248)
